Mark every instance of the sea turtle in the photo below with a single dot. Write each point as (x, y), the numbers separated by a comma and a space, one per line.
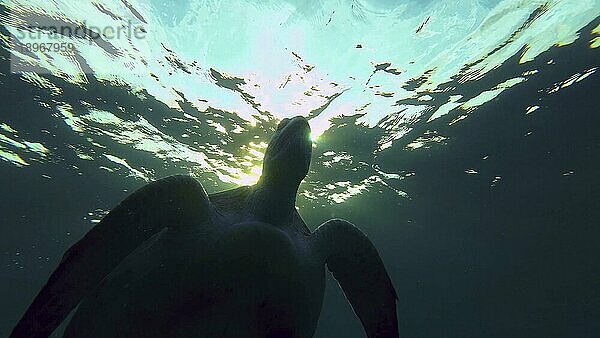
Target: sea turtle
(172, 261)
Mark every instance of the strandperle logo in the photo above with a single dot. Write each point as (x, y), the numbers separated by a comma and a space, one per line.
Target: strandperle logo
(53, 31)
(44, 37)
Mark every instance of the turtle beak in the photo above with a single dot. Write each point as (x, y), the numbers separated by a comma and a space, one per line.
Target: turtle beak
(290, 149)
(296, 127)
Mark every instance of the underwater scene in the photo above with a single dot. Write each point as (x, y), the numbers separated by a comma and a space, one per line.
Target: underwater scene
(460, 136)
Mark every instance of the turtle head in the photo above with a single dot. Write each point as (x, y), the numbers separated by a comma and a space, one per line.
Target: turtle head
(287, 158)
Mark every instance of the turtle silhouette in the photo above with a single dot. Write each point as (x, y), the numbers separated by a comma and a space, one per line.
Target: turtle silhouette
(172, 261)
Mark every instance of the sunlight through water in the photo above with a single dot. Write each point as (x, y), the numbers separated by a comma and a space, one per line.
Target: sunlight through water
(202, 84)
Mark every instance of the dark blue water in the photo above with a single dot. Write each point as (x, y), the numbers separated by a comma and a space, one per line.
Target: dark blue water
(487, 223)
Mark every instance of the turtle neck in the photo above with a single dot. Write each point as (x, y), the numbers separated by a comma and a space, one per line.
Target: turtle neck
(273, 201)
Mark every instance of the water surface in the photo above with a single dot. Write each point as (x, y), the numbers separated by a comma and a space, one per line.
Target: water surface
(460, 136)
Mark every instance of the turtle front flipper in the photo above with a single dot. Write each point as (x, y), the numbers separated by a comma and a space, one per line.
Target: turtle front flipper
(356, 265)
(172, 202)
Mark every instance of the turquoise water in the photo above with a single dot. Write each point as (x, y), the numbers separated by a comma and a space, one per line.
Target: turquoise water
(460, 136)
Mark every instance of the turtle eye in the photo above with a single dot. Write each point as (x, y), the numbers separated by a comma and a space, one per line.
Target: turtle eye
(283, 123)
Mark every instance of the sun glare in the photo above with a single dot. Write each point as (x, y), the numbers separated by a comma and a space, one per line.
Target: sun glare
(250, 178)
